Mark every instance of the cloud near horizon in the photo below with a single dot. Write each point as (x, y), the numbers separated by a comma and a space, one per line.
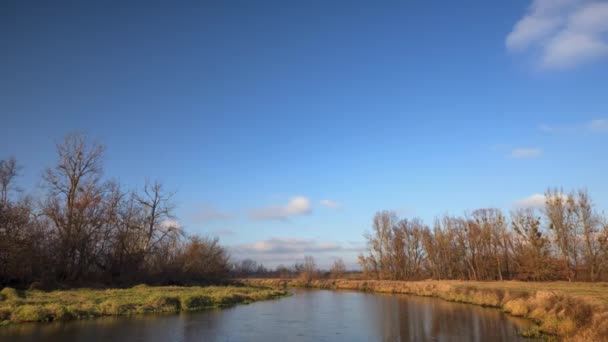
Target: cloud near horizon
(526, 153)
(208, 213)
(564, 33)
(534, 201)
(297, 206)
(289, 250)
(329, 204)
(223, 232)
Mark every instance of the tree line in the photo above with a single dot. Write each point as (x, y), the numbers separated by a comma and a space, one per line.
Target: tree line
(306, 270)
(565, 240)
(88, 230)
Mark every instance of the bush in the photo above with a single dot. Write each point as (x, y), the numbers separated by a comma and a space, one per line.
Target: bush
(5, 314)
(193, 302)
(10, 293)
(113, 308)
(30, 313)
(231, 299)
(86, 310)
(59, 312)
(517, 307)
(163, 304)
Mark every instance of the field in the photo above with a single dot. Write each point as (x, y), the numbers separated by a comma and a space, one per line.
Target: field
(38, 306)
(568, 311)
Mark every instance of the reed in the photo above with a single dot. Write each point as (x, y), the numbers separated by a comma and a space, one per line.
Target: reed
(569, 311)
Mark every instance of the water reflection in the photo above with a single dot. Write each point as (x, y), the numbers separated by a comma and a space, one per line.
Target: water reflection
(310, 315)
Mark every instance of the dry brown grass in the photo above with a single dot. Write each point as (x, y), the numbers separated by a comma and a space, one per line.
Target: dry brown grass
(571, 311)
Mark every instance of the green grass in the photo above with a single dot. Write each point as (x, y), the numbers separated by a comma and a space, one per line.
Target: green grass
(39, 306)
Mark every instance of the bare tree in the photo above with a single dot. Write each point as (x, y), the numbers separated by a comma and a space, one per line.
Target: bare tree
(532, 247)
(593, 243)
(493, 233)
(75, 203)
(204, 259)
(338, 269)
(378, 262)
(561, 215)
(8, 171)
(158, 221)
(406, 249)
(308, 270)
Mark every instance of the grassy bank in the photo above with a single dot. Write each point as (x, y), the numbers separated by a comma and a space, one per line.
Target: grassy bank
(570, 311)
(37, 306)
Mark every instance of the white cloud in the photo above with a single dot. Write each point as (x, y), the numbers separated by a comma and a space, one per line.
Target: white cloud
(593, 126)
(565, 33)
(170, 223)
(288, 250)
(296, 206)
(526, 153)
(329, 204)
(534, 201)
(222, 232)
(288, 246)
(547, 128)
(600, 125)
(208, 213)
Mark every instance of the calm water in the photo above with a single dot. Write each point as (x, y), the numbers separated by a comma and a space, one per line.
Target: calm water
(309, 315)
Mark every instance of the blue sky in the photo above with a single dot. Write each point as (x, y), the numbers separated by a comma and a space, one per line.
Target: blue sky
(283, 126)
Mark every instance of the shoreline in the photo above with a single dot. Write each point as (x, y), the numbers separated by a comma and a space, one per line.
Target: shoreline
(17, 307)
(556, 307)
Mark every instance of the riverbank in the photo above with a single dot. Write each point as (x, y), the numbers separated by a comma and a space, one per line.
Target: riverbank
(570, 311)
(38, 306)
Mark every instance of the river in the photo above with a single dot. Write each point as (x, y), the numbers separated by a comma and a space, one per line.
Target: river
(308, 315)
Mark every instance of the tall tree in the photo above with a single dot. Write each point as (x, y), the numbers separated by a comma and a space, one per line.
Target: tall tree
(75, 204)
(593, 243)
(8, 172)
(532, 247)
(378, 260)
(560, 211)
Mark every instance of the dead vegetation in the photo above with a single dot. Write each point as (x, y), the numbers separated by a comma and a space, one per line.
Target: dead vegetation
(570, 311)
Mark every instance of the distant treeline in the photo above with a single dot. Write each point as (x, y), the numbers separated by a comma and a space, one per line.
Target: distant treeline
(306, 270)
(565, 240)
(86, 230)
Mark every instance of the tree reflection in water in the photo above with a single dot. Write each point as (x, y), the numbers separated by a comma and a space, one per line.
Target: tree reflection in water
(309, 315)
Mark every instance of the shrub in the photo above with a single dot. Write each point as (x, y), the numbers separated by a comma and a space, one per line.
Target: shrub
(10, 293)
(193, 302)
(230, 299)
(86, 310)
(30, 313)
(113, 308)
(517, 307)
(532, 332)
(59, 312)
(566, 327)
(5, 314)
(581, 312)
(486, 298)
(163, 304)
